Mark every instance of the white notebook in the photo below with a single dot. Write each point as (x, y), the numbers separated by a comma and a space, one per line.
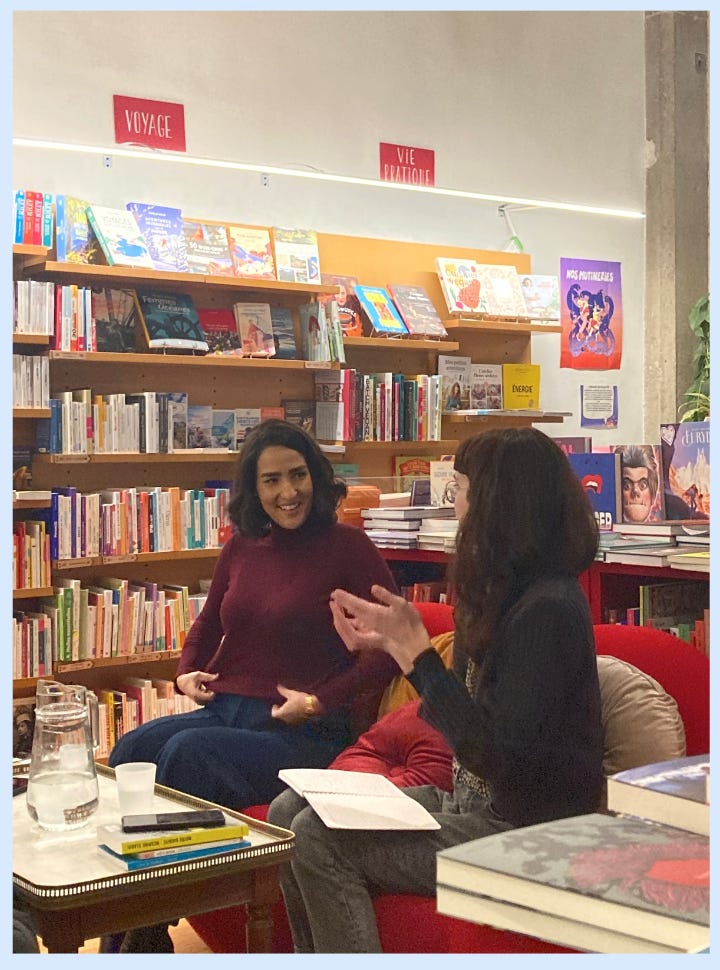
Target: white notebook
(357, 799)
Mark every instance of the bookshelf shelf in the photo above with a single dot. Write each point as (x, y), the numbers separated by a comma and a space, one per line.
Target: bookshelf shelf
(31, 339)
(122, 660)
(30, 414)
(30, 592)
(26, 250)
(95, 274)
(483, 324)
(194, 455)
(160, 360)
(36, 503)
(174, 555)
(502, 415)
(405, 344)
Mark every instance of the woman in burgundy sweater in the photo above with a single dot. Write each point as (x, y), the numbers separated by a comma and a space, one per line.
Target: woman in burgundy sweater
(276, 685)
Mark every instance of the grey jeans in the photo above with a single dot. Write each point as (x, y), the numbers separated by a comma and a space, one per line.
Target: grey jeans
(334, 873)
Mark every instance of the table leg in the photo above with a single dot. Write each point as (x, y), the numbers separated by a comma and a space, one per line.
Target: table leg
(259, 908)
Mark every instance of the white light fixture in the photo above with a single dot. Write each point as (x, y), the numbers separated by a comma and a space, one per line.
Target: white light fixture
(184, 159)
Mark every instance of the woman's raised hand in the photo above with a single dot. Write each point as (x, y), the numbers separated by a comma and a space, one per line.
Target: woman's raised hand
(390, 624)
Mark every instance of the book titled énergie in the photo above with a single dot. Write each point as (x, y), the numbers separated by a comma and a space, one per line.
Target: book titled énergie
(357, 799)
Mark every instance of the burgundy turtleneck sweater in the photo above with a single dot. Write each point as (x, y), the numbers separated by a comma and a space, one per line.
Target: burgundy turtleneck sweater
(267, 618)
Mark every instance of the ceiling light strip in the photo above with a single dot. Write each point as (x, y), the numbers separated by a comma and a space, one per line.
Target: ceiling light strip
(184, 159)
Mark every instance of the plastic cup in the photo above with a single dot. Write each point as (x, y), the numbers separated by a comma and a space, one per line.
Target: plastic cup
(135, 783)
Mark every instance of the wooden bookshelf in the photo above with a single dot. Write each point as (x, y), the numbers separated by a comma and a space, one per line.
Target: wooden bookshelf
(230, 382)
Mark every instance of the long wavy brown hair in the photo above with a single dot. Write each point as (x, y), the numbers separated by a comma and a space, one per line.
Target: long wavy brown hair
(528, 517)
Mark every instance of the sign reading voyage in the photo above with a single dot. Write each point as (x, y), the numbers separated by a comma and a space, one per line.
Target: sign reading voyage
(401, 163)
(152, 124)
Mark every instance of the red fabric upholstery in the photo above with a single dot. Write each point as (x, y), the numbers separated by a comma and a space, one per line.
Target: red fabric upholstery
(404, 748)
(410, 924)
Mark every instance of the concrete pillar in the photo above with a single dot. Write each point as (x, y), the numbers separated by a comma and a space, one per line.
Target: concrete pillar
(676, 197)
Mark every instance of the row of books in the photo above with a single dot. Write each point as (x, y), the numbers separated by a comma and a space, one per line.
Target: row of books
(497, 291)
(124, 521)
(123, 709)
(350, 406)
(31, 381)
(109, 618)
(30, 554)
(469, 387)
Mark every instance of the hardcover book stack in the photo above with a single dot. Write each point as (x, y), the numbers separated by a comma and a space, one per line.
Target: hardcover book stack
(599, 883)
(146, 850)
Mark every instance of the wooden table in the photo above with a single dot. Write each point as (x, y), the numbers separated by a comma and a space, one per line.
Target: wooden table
(76, 892)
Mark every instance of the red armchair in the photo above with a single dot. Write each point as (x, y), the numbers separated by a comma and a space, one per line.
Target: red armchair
(411, 924)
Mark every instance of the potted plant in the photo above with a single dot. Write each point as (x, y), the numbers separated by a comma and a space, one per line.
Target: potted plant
(696, 406)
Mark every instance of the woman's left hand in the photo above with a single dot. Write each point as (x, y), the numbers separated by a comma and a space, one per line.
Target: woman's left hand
(391, 624)
(295, 708)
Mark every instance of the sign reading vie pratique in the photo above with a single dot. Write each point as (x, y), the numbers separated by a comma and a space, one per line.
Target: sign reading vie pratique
(402, 163)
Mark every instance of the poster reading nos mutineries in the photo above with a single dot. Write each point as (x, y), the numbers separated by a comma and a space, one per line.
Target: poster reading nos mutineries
(590, 314)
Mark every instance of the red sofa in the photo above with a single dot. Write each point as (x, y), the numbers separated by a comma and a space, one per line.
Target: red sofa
(413, 753)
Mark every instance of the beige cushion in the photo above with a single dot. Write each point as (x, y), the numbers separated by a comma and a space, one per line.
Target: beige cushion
(641, 720)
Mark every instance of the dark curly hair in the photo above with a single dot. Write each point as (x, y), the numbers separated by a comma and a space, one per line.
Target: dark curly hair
(528, 516)
(245, 510)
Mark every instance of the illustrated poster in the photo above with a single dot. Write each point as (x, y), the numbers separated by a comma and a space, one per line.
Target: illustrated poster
(590, 314)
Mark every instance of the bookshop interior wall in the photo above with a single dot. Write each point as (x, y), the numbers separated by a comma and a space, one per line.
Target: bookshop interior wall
(503, 99)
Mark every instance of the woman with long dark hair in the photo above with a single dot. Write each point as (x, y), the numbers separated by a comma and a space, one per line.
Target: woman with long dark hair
(520, 709)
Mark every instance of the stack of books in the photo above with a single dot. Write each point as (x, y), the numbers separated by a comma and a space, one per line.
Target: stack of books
(651, 543)
(145, 850)
(438, 534)
(398, 528)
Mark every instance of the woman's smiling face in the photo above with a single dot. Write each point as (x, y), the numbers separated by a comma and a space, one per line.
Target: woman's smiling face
(284, 486)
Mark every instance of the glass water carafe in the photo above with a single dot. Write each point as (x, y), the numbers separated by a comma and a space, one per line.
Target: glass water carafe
(62, 790)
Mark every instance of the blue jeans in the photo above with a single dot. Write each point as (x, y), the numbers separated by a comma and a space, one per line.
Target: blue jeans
(230, 750)
(329, 885)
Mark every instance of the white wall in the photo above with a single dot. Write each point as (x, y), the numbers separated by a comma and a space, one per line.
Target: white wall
(538, 104)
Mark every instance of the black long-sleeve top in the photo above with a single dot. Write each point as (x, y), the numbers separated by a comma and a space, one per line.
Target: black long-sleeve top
(532, 729)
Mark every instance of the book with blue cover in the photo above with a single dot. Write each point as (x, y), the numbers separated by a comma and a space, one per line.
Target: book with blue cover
(672, 792)
(380, 310)
(162, 227)
(283, 333)
(685, 450)
(74, 240)
(599, 473)
(132, 863)
(170, 320)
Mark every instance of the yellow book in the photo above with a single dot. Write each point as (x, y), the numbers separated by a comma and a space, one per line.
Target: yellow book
(521, 386)
(126, 843)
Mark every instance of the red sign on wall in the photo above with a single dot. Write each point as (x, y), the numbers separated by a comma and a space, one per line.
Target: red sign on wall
(153, 124)
(401, 163)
